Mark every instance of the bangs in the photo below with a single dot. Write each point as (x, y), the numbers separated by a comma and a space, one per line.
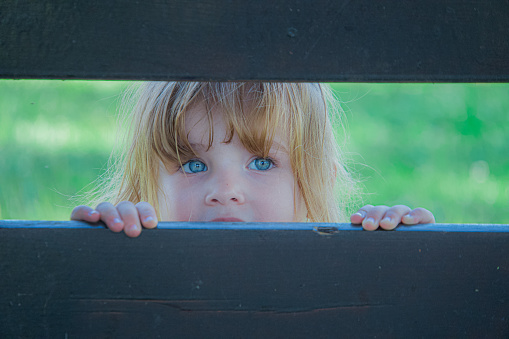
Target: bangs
(259, 114)
(252, 111)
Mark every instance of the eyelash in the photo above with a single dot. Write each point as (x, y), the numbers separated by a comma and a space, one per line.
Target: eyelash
(272, 161)
(186, 169)
(187, 164)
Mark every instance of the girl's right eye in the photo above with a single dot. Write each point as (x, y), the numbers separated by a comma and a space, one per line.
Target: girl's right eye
(194, 166)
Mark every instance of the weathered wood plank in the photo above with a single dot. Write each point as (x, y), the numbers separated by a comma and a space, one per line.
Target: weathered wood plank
(323, 40)
(71, 279)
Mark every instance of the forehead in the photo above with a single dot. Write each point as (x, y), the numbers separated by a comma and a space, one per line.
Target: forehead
(197, 125)
(208, 125)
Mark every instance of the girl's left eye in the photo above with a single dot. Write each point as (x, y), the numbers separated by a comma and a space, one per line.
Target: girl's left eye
(261, 164)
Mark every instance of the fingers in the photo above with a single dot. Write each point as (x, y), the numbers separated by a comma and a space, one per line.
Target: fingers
(147, 214)
(136, 216)
(359, 216)
(392, 217)
(85, 213)
(418, 216)
(125, 216)
(371, 217)
(110, 216)
(130, 217)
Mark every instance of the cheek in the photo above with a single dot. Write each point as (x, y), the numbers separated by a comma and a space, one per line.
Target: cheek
(175, 200)
(275, 201)
(301, 211)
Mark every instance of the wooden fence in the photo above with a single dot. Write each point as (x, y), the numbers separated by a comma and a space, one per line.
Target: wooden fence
(321, 40)
(71, 280)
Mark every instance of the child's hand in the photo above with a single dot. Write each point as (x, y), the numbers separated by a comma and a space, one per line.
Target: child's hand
(389, 217)
(125, 216)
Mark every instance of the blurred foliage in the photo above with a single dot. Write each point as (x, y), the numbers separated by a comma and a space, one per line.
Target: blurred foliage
(55, 137)
(439, 146)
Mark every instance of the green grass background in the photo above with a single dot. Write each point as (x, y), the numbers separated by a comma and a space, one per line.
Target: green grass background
(439, 146)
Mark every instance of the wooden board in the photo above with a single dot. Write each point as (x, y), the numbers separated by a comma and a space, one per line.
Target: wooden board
(322, 40)
(68, 279)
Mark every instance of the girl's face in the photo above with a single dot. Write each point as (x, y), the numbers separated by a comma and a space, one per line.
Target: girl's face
(227, 183)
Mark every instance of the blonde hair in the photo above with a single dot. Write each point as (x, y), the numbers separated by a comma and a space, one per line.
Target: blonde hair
(255, 112)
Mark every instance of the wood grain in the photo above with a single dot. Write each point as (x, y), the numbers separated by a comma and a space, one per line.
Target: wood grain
(282, 40)
(213, 281)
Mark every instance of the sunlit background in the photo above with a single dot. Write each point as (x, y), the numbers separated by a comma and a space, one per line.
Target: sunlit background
(439, 146)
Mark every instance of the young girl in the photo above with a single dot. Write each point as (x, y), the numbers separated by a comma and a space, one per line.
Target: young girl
(233, 152)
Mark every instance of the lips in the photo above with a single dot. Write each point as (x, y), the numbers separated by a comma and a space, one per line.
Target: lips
(227, 220)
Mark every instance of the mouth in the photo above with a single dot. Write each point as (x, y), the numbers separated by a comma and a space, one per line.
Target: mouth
(227, 220)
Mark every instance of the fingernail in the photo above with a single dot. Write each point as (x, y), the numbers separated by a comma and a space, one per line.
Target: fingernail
(117, 221)
(133, 228)
(408, 216)
(361, 214)
(147, 219)
(370, 220)
(91, 213)
(387, 219)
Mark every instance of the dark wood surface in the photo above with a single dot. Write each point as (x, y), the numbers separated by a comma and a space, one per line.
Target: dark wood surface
(72, 280)
(323, 40)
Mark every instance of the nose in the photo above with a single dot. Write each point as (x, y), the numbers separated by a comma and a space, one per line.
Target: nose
(225, 189)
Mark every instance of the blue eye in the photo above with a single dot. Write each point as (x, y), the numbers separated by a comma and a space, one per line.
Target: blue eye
(194, 166)
(261, 164)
